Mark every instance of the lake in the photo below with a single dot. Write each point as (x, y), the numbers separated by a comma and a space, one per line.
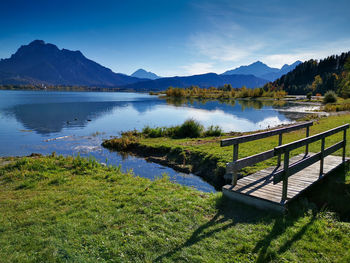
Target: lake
(76, 123)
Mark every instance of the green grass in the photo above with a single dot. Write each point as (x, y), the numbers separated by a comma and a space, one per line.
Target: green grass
(56, 209)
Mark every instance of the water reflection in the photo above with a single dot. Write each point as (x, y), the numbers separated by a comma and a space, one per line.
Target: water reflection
(242, 115)
(53, 117)
(254, 111)
(75, 116)
(244, 103)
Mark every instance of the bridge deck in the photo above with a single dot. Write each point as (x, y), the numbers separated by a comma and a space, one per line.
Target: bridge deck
(258, 189)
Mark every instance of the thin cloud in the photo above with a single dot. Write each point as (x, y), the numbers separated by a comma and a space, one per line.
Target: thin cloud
(313, 52)
(197, 68)
(226, 45)
(235, 34)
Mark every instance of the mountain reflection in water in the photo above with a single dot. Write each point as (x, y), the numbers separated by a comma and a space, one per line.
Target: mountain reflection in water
(31, 120)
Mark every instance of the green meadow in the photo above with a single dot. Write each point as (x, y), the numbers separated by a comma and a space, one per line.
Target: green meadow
(71, 209)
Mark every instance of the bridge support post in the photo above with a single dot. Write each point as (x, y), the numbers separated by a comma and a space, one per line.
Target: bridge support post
(285, 176)
(307, 145)
(322, 156)
(235, 158)
(279, 144)
(344, 146)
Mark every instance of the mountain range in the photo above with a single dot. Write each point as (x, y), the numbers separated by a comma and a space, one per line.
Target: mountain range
(262, 70)
(202, 80)
(143, 74)
(42, 63)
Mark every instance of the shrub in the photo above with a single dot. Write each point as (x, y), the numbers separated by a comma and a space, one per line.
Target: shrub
(309, 95)
(189, 128)
(175, 92)
(330, 97)
(153, 132)
(213, 131)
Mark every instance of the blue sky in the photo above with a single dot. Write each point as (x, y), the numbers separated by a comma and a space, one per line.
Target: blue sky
(180, 37)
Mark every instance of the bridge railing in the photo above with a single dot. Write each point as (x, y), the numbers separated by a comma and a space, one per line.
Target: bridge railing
(282, 175)
(237, 164)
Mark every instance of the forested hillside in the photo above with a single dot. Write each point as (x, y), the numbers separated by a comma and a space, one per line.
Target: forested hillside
(331, 73)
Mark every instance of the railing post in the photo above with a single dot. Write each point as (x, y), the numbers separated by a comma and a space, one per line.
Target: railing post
(344, 146)
(279, 144)
(285, 176)
(307, 145)
(235, 158)
(322, 156)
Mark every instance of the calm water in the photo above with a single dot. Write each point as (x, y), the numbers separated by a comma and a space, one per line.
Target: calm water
(77, 122)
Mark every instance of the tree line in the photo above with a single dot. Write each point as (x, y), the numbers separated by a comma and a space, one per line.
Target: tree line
(317, 77)
(222, 92)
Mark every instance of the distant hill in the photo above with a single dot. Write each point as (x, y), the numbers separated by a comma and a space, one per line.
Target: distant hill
(143, 74)
(284, 70)
(203, 81)
(300, 80)
(262, 70)
(40, 62)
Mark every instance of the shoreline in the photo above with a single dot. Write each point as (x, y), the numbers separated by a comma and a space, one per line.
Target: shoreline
(210, 168)
(204, 157)
(181, 161)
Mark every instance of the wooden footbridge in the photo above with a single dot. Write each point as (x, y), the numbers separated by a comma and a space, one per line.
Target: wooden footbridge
(274, 187)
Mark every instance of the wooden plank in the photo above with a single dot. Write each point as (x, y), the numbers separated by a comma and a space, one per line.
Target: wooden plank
(274, 194)
(273, 191)
(253, 201)
(258, 189)
(261, 135)
(264, 193)
(296, 167)
(261, 193)
(302, 164)
(294, 145)
(273, 169)
(248, 161)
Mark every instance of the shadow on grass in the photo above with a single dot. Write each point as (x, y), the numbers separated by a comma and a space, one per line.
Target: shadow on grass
(281, 224)
(332, 193)
(229, 214)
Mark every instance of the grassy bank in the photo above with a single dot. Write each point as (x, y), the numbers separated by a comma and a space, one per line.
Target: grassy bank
(225, 92)
(340, 105)
(56, 209)
(204, 156)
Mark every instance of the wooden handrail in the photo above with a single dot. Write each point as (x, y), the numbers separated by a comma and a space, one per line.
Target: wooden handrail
(250, 160)
(282, 175)
(293, 145)
(307, 161)
(236, 165)
(261, 135)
